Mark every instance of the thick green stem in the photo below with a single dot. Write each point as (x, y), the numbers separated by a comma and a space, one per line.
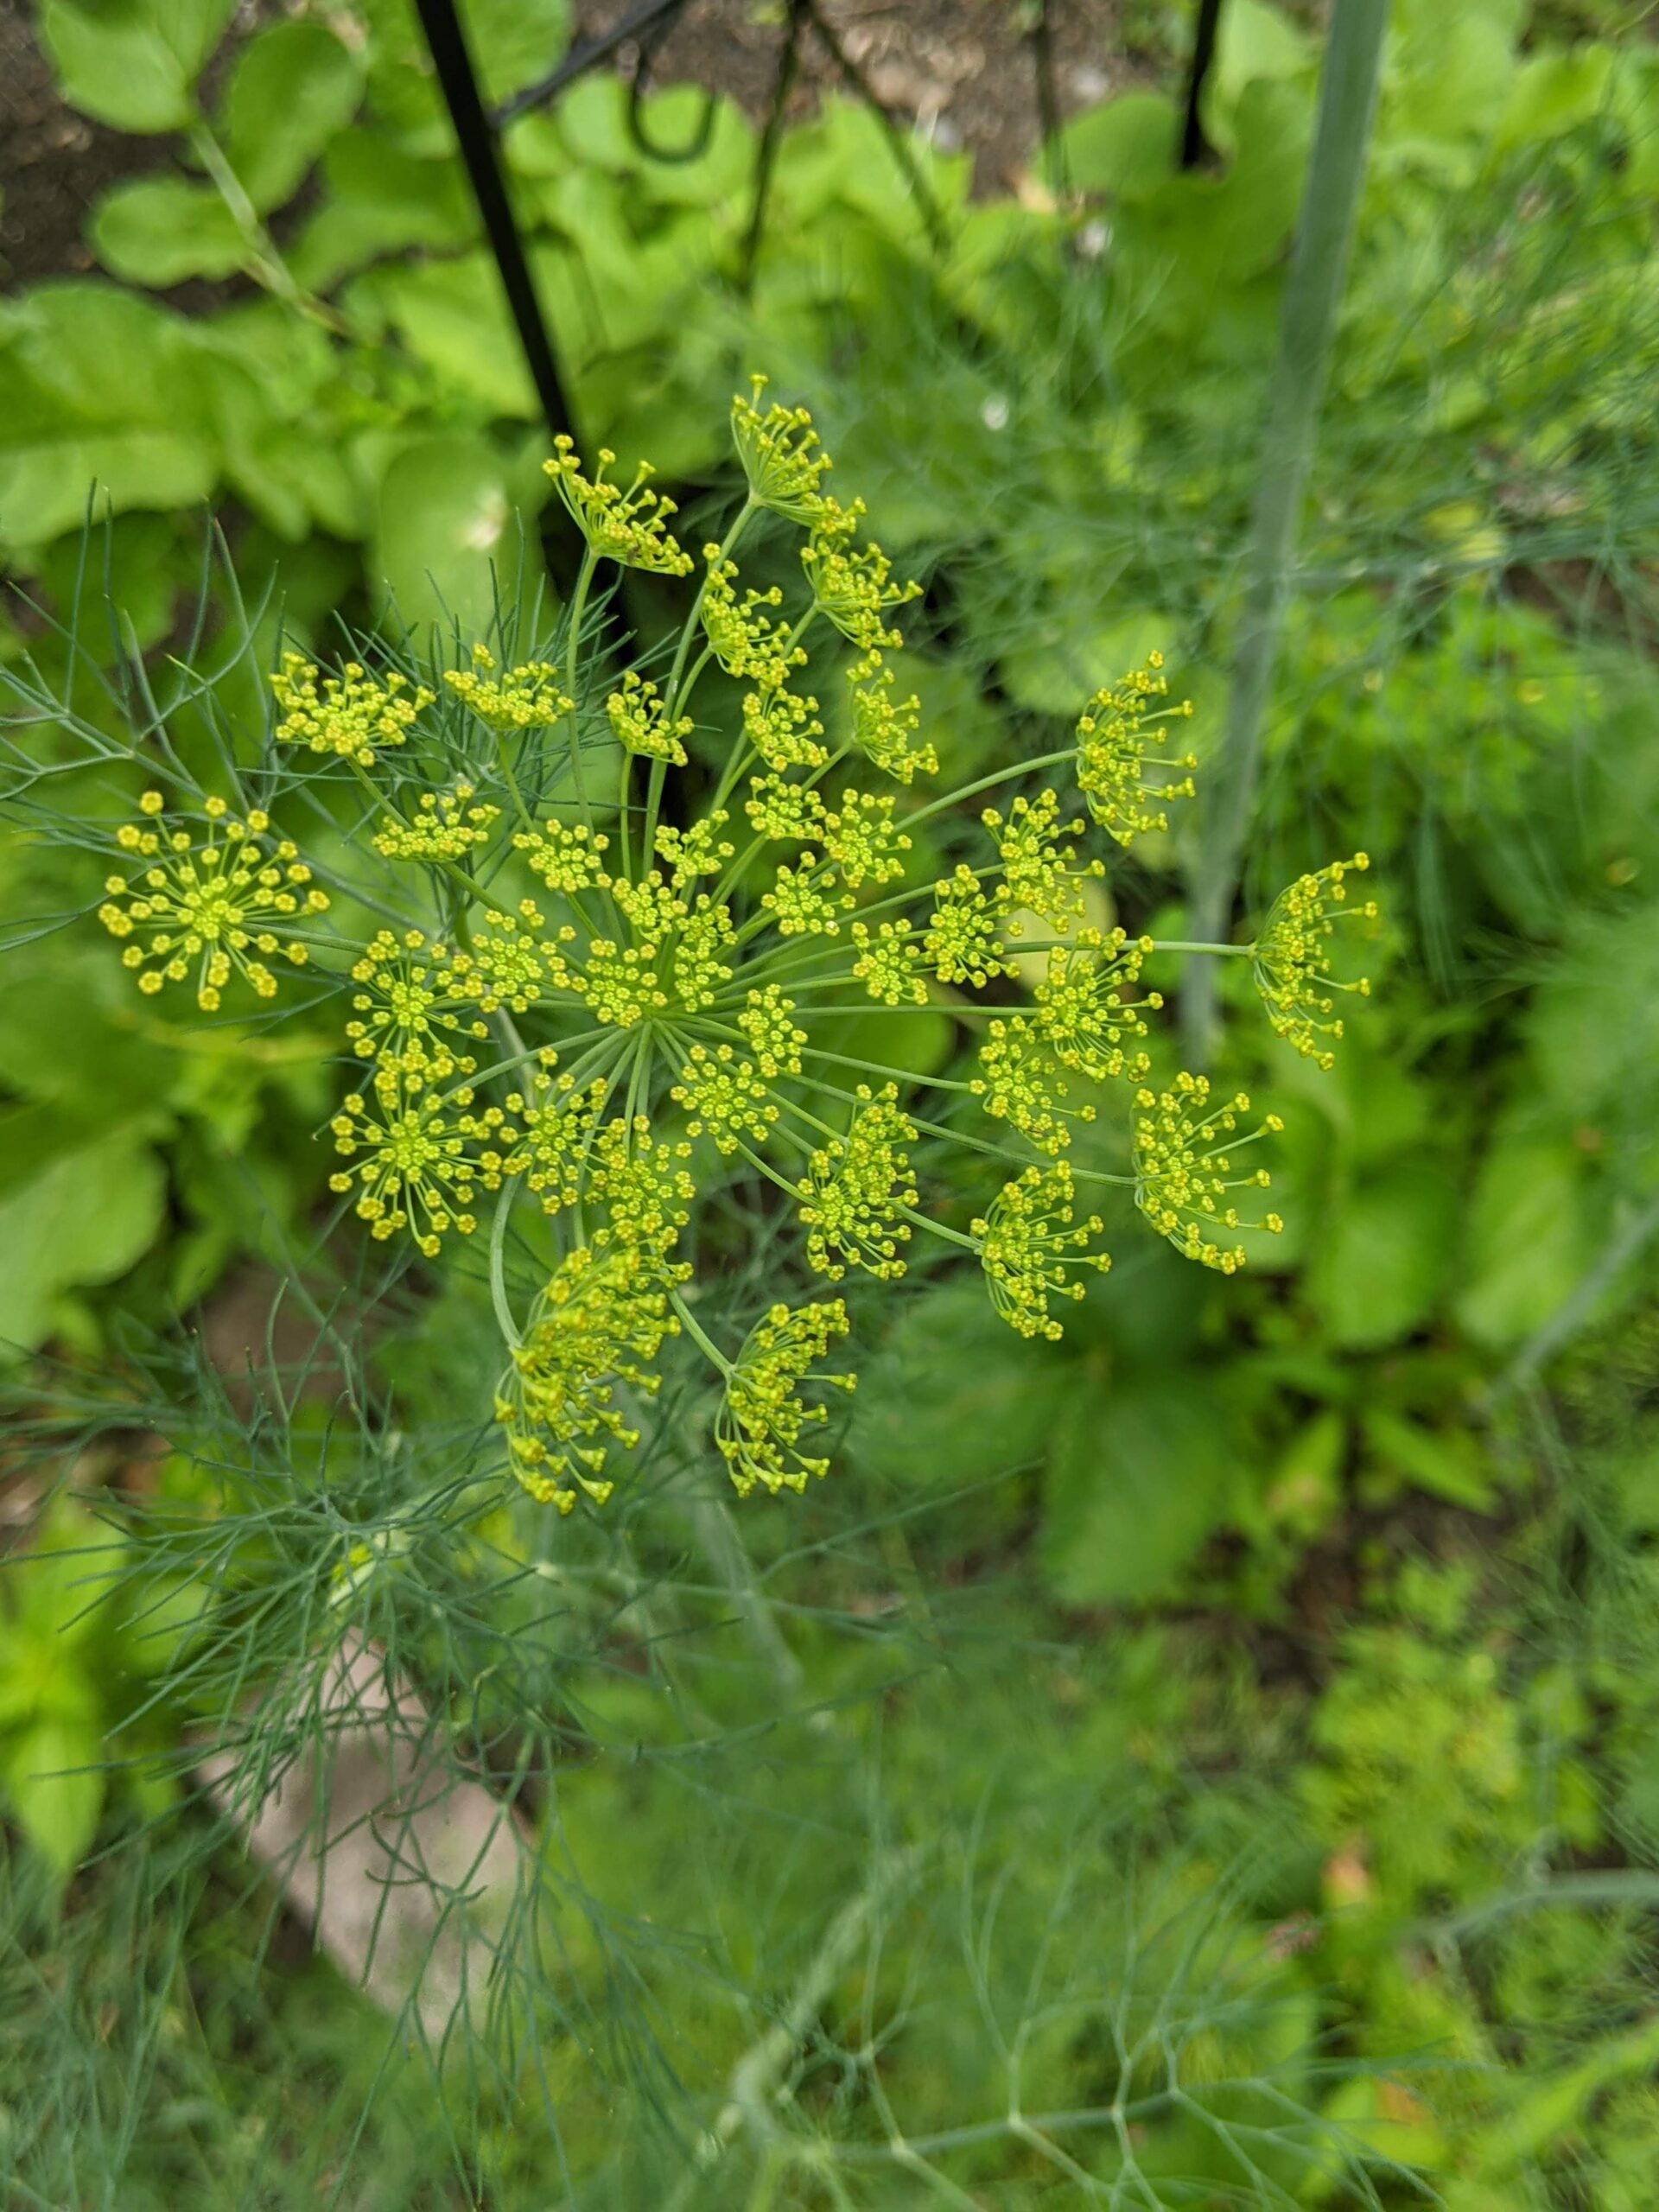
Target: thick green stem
(1307, 320)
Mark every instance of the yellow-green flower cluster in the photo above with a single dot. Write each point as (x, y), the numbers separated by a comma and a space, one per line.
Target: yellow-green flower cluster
(780, 455)
(1290, 953)
(1040, 874)
(527, 698)
(963, 945)
(603, 1315)
(629, 527)
(679, 1009)
(421, 1160)
(885, 731)
(223, 903)
(639, 722)
(858, 1191)
(445, 826)
(1184, 1158)
(854, 585)
(346, 715)
(1031, 1249)
(1114, 755)
(761, 1420)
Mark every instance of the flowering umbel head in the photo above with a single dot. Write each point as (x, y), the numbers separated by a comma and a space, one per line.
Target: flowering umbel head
(1184, 1160)
(1290, 956)
(347, 715)
(1032, 1250)
(761, 1420)
(207, 907)
(780, 455)
(583, 995)
(629, 527)
(1118, 754)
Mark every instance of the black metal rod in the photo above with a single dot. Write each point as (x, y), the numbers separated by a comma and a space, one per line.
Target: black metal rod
(582, 57)
(1196, 149)
(448, 45)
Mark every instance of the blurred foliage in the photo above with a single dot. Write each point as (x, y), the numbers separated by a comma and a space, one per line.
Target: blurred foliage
(1221, 1766)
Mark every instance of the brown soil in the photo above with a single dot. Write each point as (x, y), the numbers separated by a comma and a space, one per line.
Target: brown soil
(963, 71)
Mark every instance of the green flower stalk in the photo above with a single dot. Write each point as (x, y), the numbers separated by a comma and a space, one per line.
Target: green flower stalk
(580, 1003)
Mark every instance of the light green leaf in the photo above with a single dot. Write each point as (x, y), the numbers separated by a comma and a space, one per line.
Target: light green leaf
(1553, 91)
(444, 520)
(1126, 147)
(379, 201)
(133, 63)
(1383, 1260)
(86, 1219)
(55, 1806)
(1530, 1240)
(1446, 1463)
(1140, 1477)
(159, 229)
(97, 385)
(1254, 41)
(452, 315)
(294, 86)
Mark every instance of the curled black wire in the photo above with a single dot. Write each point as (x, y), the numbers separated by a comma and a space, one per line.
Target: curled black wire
(697, 145)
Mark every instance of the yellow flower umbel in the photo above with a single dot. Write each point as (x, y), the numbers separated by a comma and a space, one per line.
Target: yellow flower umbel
(1183, 1159)
(1115, 744)
(779, 455)
(424, 1160)
(858, 1189)
(1029, 1247)
(526, 697)
(637, 718)
(212, 906)
(758, 1428)
(345, 716)
(884, 730)
(628, 527)
(853, 584)
(445, 826)
(712, 964)
(1289, 955)
(603, 1314)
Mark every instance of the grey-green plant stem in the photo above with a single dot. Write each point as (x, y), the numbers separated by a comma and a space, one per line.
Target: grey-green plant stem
(1307, 320)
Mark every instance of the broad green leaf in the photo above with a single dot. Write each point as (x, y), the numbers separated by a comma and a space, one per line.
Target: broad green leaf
(158, 230)
(453, 316)
(86, 1220)
(1254, 41)
(1141, 1475)
(1126, 147)
(516, 42)
(293, 88)
(133, 63)
(1553, 91)
(1529, 1239)
(1382, 1262)
(379, 201)
(98, 387)
(444, 521)
(48, 1791)
(722, 174)
(1305, 1490)
(1593, 1034)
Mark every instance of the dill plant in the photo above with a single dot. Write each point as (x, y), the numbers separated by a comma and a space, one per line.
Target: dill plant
(571, 1069)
